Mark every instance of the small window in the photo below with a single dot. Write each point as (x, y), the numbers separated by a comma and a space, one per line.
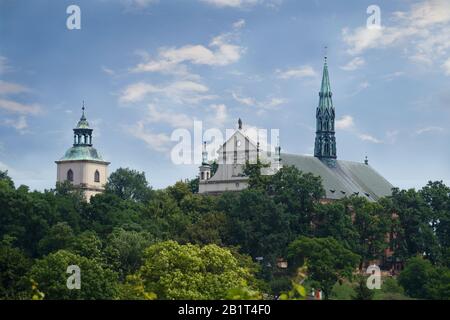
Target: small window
(97, 176)
(203, 176)
(70, 175)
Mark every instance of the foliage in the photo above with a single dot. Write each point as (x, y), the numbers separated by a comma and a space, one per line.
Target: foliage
(362, 292)
(422, 280)
(328, 261)
(175, 271)
(129, 184)
(13, 266)
(50, 273)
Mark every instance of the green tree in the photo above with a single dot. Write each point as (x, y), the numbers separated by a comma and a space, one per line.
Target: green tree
(129, 184)
(59, 236)
(362, 292)
(257, 224)
(328, 261)
(174, 271)
(299, 192)
(422, 280)
(14, 265)
(125, 250)
(6, 178)
(97, 282)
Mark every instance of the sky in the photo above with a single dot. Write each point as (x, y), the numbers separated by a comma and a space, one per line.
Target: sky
(146, 68)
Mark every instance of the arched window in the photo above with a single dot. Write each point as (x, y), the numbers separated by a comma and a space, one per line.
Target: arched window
(70, 175)
(97, 176)
(203, 176)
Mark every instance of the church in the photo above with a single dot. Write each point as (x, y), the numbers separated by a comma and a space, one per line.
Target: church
(340, 178)
(82, 165)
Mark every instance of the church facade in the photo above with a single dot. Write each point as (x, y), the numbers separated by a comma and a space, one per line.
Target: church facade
(82, 165)
(340, 178)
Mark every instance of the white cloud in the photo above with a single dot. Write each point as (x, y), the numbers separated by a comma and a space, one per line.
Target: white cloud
(248, 101)
(155, 141)
(252, 102)
(173, 119)
(239, 24)
(300, 72)
(19, 124)
(16, 107)
(108, 71)
(369, 138)
(393, 75)
(220, 114)
(7, 88)
(139, 4)
(345, 123)
(423, 32)
(4, 66)
(354, 64)
(446, 66)
(178, 91)
(219, 52)
(430, 129)
(231, 3)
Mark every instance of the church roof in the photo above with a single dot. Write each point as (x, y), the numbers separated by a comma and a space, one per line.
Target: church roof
(344, 179)
(82, 153)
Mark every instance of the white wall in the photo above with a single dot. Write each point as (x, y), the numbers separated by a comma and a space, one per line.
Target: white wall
(84, 175)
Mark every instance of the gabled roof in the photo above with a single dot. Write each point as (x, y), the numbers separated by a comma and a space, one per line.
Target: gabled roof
(344, 179)
(240, 134)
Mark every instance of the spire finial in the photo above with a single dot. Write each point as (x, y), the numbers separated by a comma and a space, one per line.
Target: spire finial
(240, 124)
(82, 114)
(326, 54)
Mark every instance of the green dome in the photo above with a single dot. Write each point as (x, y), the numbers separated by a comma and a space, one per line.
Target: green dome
(83, 124)
(82, 153)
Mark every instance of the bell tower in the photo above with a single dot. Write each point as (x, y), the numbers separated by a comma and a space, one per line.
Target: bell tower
(82, 165)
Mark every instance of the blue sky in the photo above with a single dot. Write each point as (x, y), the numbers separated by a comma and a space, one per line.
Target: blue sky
(148, 67)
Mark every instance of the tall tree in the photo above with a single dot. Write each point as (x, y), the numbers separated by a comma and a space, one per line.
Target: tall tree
(327, 260)
(129, 185)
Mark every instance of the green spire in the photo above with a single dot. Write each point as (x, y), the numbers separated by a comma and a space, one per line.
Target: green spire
(325, 144)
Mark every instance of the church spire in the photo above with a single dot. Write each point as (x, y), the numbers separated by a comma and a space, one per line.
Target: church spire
(325, 144)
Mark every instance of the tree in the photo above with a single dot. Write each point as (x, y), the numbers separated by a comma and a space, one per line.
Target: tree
(371, 224)
(6, 178)
(414, 234)
(179, 190)
(50, 275)
(129, 184)
(437, 198)
(362, 292)
(59, 236)
(257, 224)
(125, 250)
(299, 192)
(174, 271)
(327, 261)
(14, 264)
(422, 280)
(210, 228)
